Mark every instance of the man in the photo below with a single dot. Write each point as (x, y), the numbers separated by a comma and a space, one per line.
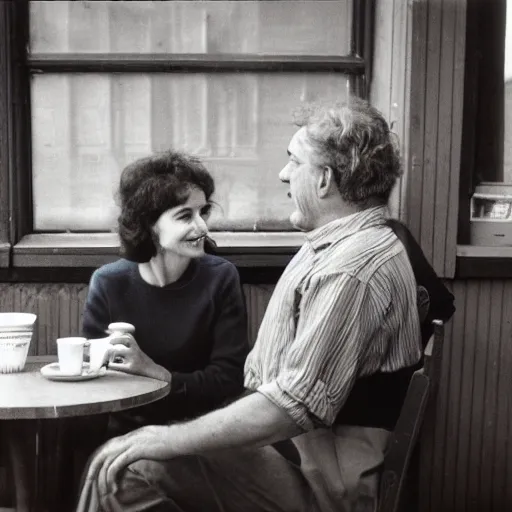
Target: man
(344, 308)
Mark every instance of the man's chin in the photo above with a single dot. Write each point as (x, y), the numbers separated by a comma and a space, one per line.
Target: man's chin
(299, 222)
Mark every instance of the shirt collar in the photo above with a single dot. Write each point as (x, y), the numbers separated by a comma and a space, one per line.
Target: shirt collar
(344, 227)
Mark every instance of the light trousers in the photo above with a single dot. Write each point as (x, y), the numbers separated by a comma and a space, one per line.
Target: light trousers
(338, 471)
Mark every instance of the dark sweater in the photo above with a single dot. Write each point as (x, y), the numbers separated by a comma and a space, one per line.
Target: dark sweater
(196, 328)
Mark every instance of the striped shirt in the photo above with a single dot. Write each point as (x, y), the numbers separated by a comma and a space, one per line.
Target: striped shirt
(345, 307)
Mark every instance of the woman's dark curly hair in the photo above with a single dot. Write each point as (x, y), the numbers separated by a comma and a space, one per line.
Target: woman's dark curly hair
(149, 187)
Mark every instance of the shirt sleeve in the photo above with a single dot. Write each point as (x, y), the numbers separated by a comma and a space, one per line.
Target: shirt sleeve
(96, 314)
(222, 379)
(338, 316)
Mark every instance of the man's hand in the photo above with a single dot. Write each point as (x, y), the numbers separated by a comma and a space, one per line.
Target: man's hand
(116, 455)
(134, 360)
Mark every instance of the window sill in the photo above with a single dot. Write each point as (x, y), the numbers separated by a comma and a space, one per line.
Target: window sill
(95, 249)
(484, 262)
(5, 254)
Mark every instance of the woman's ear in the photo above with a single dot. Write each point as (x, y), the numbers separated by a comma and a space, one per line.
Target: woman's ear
(325, 181)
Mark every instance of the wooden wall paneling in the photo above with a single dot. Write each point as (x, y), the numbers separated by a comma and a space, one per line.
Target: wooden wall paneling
(6, 302)
(501, 481)
(380, 87)
(438, 425)
(468, 299)
(435, 126)
(390, 79)
(382, 82)
(454, 367)
(5, 127)
(433, 435)
(456, 140)
(432, 133)
(508, 449)
(27, 298)
(399, 97)
(477, 400)
(417, 115)
(442, 161)
(58, 308)
(490, 415)
(257, 298)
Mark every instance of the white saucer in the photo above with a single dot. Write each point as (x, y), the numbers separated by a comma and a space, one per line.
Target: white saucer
(52, 372)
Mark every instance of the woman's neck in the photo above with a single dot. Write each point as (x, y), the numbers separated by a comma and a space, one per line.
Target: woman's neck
(163, 269)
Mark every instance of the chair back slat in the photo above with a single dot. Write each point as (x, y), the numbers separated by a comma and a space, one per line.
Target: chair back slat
(421, 392)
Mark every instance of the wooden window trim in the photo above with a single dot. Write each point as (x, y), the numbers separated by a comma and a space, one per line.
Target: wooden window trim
(274, 249)
(5, 138)
(163, 63)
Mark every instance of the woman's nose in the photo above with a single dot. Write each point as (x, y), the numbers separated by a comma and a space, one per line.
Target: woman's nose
(201, 225)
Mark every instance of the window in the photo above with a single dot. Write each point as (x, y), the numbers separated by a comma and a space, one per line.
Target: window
(103, 83)
(487, 136)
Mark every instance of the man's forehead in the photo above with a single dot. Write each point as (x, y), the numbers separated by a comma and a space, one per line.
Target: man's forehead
(300, 142)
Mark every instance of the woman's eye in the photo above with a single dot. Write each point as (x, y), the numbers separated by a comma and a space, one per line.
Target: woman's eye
(206, 211)
(185, 216)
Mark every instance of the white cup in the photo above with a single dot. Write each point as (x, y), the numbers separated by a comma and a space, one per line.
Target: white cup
(71, 355)
(99, 353)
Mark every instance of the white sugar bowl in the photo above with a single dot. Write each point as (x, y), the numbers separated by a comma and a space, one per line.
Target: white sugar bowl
(16, 330)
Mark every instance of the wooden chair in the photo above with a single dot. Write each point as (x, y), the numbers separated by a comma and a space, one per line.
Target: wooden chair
(421, 394)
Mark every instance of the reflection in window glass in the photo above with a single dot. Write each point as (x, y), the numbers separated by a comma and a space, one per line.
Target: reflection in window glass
(316, 27)
(87, 127)
(507, 160)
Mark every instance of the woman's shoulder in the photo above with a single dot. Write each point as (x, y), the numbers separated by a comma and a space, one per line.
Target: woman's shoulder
(117, 270)
(213, 264)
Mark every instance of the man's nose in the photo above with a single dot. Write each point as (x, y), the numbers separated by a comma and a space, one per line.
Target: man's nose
(284, 175)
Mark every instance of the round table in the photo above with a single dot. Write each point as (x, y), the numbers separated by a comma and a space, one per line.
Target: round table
(30, 396)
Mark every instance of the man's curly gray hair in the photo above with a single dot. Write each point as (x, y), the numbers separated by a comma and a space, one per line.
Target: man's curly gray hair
(355, 141)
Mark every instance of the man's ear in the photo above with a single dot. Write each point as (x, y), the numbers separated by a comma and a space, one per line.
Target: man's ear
(325, 181)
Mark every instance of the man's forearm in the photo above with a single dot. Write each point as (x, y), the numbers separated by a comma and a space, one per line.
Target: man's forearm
(250, 421)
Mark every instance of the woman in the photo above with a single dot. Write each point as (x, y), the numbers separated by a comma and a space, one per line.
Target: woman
(187, 306)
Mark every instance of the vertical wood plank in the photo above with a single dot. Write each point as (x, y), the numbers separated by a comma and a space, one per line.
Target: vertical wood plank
(490, 411)
(5, 127)
(431, 125)
(435, 125)
(463, 441)
(501, 480)
(439, 426)
(456, 142)
(477, 402)
(455, 364)
(442, 161)
(417, 115)
(257, 298)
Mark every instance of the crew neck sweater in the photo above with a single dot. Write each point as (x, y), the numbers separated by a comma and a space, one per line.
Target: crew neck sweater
(196, 328)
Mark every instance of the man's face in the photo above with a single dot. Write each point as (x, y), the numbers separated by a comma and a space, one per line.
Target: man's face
(302, 175)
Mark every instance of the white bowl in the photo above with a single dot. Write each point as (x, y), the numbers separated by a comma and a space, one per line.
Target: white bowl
(14, 350)
(16, 331)
(17, 322)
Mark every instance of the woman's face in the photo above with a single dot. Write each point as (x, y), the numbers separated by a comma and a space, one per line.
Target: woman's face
(182, 229)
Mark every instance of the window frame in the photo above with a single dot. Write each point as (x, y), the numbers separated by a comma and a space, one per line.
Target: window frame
(484, 58)
(25, 248)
